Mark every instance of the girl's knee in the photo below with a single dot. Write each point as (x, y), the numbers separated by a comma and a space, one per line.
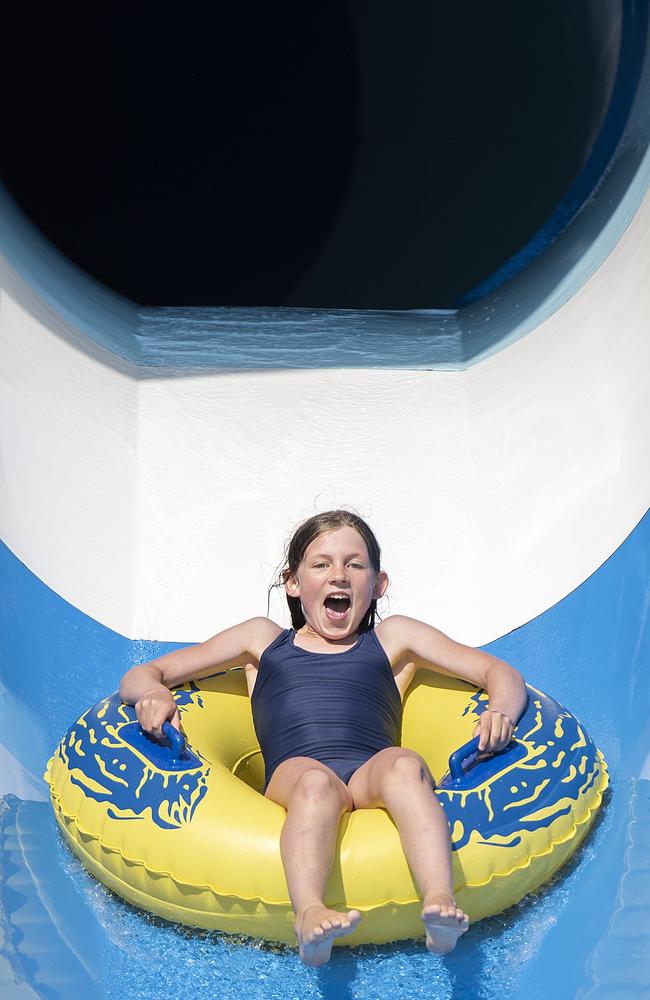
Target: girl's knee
(316, 783)
(407, 769)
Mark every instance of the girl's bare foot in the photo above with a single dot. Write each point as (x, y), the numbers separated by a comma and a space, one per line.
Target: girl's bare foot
(316, 927)
(444, 922)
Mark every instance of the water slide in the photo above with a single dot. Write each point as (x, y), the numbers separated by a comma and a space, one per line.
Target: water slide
(155, 458)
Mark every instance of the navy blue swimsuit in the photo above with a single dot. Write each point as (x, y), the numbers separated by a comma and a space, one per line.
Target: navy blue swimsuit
(339, 708)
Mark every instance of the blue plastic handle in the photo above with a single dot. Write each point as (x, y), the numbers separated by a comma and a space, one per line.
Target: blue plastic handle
(176, 739)
(459, 756)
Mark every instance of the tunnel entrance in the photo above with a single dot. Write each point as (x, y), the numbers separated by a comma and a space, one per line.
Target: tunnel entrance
(360, 155)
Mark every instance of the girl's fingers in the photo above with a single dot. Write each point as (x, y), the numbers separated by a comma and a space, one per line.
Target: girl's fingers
(502, 732)
(151, 722)
(485, 740)
(153, 711)
(494, 731)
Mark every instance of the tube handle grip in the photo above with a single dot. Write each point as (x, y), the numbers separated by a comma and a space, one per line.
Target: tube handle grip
(176, 739)
(459, 756)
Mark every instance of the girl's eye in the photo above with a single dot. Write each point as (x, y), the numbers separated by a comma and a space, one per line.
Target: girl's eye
(321, 565)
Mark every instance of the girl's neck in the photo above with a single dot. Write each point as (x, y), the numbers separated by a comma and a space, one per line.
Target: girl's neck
(317, 642)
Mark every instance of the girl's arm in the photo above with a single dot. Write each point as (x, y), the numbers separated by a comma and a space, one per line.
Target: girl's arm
(504, 685)
(147, 685)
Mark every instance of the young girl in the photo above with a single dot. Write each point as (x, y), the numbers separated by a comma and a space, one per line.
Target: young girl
(326, 699)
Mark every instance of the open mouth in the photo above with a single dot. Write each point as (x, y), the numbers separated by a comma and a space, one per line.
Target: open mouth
(337, 607)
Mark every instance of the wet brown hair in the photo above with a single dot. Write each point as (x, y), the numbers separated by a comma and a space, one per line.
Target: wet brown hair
(302, 538)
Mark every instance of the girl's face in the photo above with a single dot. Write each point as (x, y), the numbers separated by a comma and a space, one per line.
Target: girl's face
(336, 583)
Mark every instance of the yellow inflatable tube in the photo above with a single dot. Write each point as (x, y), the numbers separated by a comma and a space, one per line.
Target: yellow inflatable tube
(194, 841)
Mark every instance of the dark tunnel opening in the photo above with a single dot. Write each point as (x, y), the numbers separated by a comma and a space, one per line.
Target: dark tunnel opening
(360, 155)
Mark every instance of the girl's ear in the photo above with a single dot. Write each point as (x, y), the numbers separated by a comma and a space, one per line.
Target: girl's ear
(291, 586)
(381, 583)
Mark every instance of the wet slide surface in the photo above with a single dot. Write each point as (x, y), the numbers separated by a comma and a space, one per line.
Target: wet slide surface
(586, 935)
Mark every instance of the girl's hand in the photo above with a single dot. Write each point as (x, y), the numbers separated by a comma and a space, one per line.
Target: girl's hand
(154, 708)
(494, 730)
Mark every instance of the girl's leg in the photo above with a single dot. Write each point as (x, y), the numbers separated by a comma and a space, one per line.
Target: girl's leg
(315, 799)
(399, 780)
